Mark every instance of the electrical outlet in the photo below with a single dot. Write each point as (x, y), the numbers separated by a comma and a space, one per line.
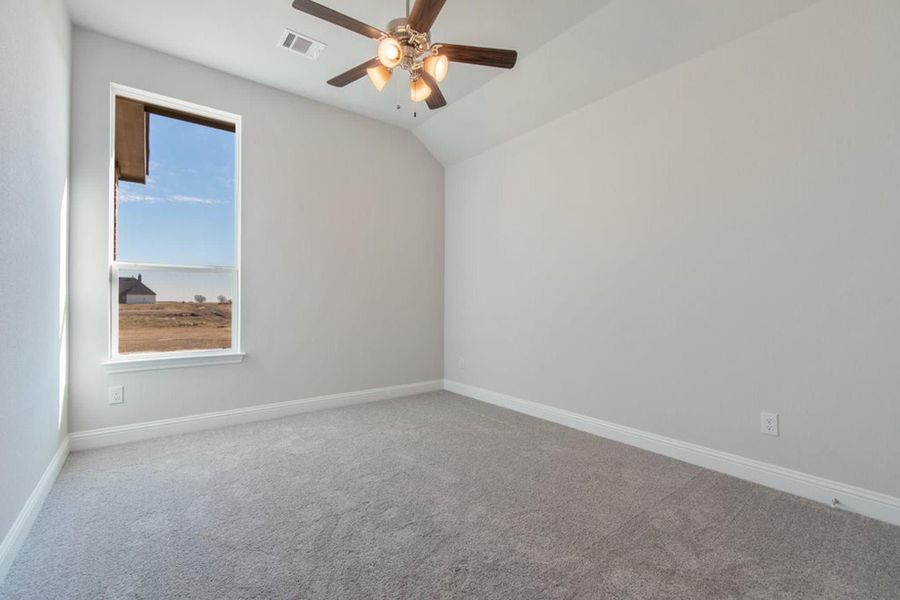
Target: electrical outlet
(117, 394)
(768, 423)
(462, 363)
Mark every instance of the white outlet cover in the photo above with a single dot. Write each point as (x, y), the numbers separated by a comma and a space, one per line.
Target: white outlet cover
(462, 363)
(768, 423)
(117, 394)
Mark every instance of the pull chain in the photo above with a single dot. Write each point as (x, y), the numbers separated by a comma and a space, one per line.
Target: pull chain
(398, 103)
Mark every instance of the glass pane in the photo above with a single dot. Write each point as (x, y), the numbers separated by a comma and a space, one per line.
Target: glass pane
(184, 214)
(172, 311)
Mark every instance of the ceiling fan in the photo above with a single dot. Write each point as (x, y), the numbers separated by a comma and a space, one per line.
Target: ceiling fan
(407, 44)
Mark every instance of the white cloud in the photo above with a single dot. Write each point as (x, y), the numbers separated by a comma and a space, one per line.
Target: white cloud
(139, 198)
(196, 200)
(176, 199)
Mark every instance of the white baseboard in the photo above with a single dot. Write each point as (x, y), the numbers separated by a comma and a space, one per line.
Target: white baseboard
(109, 436)
(865, 502)
(16, 535)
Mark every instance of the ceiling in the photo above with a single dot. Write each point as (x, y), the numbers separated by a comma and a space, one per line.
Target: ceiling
(571, 53)
(241, 37)
(615, 47)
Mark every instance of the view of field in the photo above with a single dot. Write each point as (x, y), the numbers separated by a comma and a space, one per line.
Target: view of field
(173, 326)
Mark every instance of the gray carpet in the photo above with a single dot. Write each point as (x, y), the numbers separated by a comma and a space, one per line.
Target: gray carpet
(433, 496)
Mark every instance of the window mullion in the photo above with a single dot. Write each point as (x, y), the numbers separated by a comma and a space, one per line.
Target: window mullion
(132, 266)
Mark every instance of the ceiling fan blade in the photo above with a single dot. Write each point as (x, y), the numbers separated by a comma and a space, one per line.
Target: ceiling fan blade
(353, 74)
(488, 57)
(436, 99)
(332, 16)
(424, 13)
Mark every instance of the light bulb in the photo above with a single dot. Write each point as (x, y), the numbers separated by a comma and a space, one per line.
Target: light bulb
(389, 52)
(379, 76)
(437, 67)
(419, 90)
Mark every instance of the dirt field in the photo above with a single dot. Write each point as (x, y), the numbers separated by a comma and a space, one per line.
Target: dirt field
(171, 326)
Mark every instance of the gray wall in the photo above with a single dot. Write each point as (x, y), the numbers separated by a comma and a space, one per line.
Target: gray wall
(715, 241)
(342, 247)
(34, 144)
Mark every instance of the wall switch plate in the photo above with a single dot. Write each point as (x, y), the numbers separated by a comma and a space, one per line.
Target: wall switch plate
(768, 423)
(117, 394)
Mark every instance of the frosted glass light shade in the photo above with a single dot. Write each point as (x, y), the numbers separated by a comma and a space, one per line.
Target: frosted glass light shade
(419, 90)
(389, 52)
(437, 67)
(379, 76)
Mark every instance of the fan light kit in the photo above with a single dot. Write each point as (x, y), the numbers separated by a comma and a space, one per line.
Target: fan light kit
(406, 44)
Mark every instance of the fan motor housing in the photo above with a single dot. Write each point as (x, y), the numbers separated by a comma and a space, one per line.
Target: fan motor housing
(414, 43)
(397, 29)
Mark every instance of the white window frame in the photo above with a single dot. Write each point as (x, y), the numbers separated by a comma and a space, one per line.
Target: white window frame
(116, 362)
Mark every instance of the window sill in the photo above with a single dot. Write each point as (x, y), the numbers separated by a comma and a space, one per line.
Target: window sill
(129, 365)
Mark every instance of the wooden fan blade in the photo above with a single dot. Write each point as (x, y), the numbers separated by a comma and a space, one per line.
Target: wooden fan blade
(332, 16)
(436, 99)
(488, 57)
(353, 74)
(424, 13)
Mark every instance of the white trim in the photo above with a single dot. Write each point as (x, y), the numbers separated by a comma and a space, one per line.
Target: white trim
(113, 355)
(854, 499)
(149, 362)
(16, 535)
(112, 300)
(129, 266)
(96, 438)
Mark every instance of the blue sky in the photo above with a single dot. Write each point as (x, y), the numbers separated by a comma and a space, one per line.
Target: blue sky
(184, 214)
(181, 286)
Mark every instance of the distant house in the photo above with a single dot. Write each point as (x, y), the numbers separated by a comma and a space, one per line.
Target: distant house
(133, 291)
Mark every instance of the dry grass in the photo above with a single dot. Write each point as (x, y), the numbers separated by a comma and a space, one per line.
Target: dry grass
(172, 326)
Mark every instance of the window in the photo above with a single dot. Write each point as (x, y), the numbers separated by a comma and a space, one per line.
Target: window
(174, 232)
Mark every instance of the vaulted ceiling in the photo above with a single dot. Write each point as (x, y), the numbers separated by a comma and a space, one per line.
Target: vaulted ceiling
(571, 52)
(241, 37)
(615, 47)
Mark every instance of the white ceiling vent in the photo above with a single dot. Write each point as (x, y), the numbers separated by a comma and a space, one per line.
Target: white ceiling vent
(302, 45)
